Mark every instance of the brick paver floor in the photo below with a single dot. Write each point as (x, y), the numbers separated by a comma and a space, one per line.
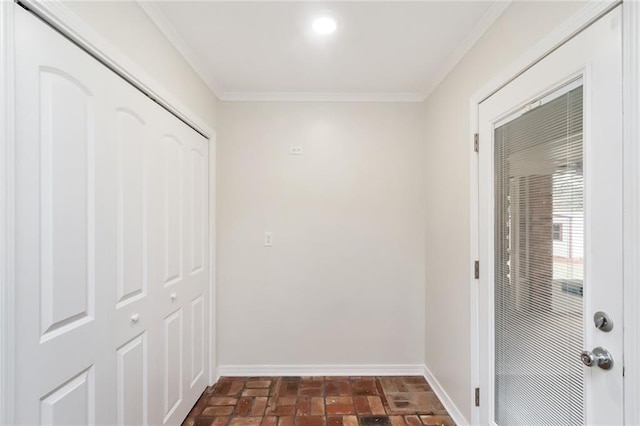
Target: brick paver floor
(319, 401)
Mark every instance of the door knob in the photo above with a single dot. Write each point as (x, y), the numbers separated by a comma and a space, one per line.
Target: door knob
(600, 357)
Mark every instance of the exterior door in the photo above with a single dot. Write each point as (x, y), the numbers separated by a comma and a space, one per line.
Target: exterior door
(550, 215)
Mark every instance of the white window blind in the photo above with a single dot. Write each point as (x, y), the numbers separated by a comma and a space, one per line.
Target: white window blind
(539, 264)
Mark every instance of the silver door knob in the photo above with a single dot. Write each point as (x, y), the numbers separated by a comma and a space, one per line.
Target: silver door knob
(600, 357)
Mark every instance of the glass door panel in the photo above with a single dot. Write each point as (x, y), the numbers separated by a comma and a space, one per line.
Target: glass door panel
(539, 262)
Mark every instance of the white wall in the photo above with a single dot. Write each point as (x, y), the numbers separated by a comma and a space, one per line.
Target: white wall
(129, 29)
(447, 166)
(344, 280)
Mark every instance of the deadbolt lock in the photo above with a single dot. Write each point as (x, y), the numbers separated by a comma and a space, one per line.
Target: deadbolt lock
(603, 321)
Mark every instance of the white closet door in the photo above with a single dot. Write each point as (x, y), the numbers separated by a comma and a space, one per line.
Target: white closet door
(62, 232)
(179, 262)
(195, 290)
(132, 334)
(112, 244)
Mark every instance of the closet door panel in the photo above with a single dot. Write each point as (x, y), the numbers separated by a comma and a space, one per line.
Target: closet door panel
(197, 340)
(180, 193)
(67, 189)
(133, 333)
(197, 285)
(62, 261)
(173, 352)
(197, 209)
(173, 230)
(131, 373)
(131, 138)
(72, 403)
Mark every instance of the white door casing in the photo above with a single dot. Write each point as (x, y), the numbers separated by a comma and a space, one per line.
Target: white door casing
(112, 244)
(596, 56)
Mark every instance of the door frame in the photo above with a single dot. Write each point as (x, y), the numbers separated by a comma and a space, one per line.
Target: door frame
(56, 14)
(7, 143)
(631, 182)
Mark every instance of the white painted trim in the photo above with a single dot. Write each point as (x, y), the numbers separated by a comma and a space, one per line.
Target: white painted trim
(631, 184)
(321, 370)
(64, 20)
(160, 20)
(164, 25)
(320, 97)
(213, 269)
(474, 227)
(487, 20)
(7, 204)
(453, 410)
(590, 12)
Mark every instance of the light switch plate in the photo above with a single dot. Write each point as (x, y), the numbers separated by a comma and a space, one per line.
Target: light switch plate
(268, 239)
(295, 150)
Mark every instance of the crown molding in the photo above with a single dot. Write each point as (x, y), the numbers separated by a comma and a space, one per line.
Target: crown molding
(320, 97)
(151, 9)
(481, 27)
(162, 23)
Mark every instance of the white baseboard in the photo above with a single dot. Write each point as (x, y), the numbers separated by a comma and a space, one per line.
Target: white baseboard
(446, 400)
(321, 370)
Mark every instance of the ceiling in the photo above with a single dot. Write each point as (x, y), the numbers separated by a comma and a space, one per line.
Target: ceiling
(381, 51)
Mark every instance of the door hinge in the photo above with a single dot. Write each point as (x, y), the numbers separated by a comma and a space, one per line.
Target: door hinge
(476, 143)
(477, 397)
(476, 269)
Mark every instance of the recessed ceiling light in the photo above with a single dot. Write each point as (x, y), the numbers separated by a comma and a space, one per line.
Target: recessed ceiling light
(324, 25)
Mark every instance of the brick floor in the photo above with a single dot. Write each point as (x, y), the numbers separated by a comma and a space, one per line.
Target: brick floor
(319, 401)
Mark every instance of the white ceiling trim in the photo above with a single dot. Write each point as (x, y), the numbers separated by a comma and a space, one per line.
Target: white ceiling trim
(160, 20)
(485, 22)
(320, 97)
